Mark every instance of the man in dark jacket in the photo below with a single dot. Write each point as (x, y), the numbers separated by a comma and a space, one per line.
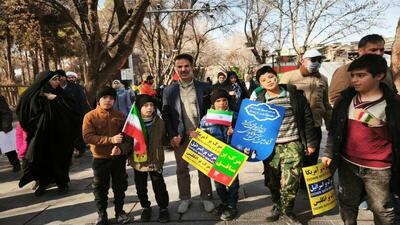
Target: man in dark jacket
(76, 92)
(184, 104)
(364, 142)
(6, 126)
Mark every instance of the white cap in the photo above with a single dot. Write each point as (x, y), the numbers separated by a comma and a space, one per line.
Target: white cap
(71, 74)
(312, 53)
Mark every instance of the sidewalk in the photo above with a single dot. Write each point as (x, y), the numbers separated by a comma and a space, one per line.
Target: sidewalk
(20, 206)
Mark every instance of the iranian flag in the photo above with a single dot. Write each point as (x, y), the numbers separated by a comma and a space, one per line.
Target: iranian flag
(219, 117)
(134, 127)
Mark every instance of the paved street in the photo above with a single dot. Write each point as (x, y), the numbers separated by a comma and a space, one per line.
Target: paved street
(20, 206)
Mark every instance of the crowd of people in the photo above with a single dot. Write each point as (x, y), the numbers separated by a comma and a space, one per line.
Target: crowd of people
(359, 108)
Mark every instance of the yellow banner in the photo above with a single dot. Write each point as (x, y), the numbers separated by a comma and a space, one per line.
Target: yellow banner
(320, 188)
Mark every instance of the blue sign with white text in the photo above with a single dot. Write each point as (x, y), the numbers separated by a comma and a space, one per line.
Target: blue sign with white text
(257, 128)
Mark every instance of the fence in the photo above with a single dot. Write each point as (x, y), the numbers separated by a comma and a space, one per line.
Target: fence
(12, 93)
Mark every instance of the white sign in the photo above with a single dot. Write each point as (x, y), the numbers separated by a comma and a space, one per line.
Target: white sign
(127, 74)
(7, 141)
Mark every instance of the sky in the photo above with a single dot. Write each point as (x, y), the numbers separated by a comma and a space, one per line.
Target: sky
(387, 29)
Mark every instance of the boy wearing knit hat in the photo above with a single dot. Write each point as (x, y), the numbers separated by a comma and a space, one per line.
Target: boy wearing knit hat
(229, 196)
(102, 131)
(151, 162)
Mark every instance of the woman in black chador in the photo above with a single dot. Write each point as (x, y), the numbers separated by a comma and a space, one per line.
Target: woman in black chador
(52, 125)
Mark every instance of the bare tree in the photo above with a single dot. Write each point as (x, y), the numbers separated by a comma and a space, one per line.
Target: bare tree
(395, 64)
(323, 21)
(106, 51)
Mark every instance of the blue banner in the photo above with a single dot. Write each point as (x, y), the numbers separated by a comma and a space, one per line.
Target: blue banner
(257, 128)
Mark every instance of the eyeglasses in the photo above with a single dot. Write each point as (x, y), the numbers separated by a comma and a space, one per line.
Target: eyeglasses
(316, 59)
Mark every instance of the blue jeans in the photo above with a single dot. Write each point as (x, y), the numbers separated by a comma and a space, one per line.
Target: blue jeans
(228, 195)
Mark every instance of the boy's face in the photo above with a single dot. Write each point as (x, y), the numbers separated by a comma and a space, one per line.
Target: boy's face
(363, 81)
(147, 110)
(106, 102)
(221, 79)
(221, 104)
(269, 81)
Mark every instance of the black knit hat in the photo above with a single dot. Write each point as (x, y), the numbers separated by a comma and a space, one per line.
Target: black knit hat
(219, 93)
(60, 73)
(143, 99)
(106, 91)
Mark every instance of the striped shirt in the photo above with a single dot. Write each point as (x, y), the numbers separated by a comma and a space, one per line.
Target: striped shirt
(288, 131)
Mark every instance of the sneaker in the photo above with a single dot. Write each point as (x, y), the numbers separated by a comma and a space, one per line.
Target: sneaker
(123, 218)
(289, 219)
(102, 221)
(40, 190)
(208, 205)
(229, 213)
(219, 209)
(184, 206)
(363, 205)
(145, 216)
(163, 216)
(274, 215)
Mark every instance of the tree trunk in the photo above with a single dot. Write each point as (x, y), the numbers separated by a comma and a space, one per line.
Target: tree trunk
(9, 59)
(28, 79)
(35, 62)
(395, 64)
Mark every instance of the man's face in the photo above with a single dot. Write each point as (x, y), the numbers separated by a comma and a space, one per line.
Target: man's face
(62, 80)
(363, 81)
(184, 69)
(71, 79)
(221, 79)
(115, 85)
(269, 81)
(106, 102)
(372, 48)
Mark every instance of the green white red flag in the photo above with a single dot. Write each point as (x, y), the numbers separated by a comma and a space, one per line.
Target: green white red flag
(134, 127)
(219, 117)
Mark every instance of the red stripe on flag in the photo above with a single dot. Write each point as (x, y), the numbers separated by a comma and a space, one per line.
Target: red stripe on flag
(219, 177)
(133, 132)
(220, 122)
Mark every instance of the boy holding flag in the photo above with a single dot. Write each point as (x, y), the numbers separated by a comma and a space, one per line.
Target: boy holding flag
(148, 131)
(102, 131)
(218, 123)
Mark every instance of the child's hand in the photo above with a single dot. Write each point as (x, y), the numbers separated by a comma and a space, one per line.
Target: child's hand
(310, 150)
(326, 161)
(117, 139)
(116, 151)
(194, 134)
(175, 141)
(230, 131)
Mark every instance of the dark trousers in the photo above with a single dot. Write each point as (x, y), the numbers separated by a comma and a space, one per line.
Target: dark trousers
(354, 183)
(159, 188)
(228, 195)
(13, 158)
(103, 170)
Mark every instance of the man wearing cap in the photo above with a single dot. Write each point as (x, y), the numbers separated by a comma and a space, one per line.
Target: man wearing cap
(370, 44)
(72, 77)
(315, 87)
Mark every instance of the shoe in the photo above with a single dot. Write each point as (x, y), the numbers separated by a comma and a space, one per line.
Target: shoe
(219, 209)
(208, 205)
(289, 219)
(184, 205)
(363, 205)
(17, 168)
(145, 216)
(102, 221)
(40, 190)
(229, 214)
(163, 216)
(63, 189)
(123, 218)
(274, 215)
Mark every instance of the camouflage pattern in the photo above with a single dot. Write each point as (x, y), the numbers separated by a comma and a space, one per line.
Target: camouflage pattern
(282, 173)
